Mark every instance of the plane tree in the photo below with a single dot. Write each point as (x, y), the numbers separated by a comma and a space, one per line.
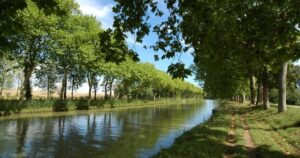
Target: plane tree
(256, 36)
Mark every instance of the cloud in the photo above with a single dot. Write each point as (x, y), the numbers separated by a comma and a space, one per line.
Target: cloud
(131, 41)
(103, 12)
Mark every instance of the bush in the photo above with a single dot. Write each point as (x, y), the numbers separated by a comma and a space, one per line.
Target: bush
(292, 96)
(82, 104)
(97, 103)
(273, 95)
(60, 105)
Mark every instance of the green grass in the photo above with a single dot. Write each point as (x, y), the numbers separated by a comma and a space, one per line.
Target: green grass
(266, 128)
(275, 133)
(206, 140)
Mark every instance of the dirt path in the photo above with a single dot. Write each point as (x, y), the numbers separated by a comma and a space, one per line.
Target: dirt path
(249, 144)
(231, 139)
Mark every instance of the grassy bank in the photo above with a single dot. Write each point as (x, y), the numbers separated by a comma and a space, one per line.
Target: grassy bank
(11, 107)
(274, 135)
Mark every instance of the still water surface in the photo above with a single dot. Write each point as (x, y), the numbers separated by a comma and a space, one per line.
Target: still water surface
(131, 132)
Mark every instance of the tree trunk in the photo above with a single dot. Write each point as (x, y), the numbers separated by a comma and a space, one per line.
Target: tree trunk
(63, 91)
(90, 92)
(26, 91)
(2, 87)
(72, 90)
(48, 88)
(252, 90)
(265, 83)
(282, 88)
(110, 88)
(105, 90)
(259, 90)
(243, 97)
(95, 92)
(90, 86)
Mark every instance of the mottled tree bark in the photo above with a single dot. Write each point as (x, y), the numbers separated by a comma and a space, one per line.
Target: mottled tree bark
(252, 90)
(110, 88)
(90, 81)
(282, 88)
(265, 83)
(63, 91)
(105, 89)
(95, 92)
(259, 91)
(26, 91)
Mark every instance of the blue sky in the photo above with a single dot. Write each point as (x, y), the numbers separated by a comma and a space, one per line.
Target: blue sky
(102, 9)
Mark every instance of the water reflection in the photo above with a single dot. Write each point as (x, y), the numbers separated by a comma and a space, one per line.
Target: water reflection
(134, 132)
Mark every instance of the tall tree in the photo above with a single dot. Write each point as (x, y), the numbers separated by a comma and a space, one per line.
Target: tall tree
(46, 77)
(32, 42)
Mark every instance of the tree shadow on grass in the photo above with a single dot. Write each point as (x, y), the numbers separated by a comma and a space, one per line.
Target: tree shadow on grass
(264, 151)
(296, 124)
(203, 141)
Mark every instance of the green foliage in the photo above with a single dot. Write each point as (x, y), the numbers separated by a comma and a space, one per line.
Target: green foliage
(178, 71)
(114, 49)
(64, 46)
(293, 91)
(60, 105)
(82, 104)
(46, 77)
(142, 80)
(231, 41)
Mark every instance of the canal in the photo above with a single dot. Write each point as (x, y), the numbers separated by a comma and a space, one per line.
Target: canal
(128, 132)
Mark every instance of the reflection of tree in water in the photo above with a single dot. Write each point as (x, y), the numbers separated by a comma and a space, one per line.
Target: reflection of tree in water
(120, 133)
(22, 127)
(60, 150)
(44, 131)
(143, 126)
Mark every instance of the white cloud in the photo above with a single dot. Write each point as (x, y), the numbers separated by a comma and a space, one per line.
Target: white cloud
(131, 41)
(103, 12)
(98, 12)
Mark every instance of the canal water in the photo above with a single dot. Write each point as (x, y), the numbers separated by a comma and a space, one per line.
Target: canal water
(119, 133)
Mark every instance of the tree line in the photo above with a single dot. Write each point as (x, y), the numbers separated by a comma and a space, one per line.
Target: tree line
(55, 43)
(239, 47)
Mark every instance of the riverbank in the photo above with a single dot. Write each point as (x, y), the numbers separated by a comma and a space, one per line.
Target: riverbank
(238, 130)
(15, 109)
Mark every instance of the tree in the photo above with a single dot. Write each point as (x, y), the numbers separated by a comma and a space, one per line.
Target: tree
(6, 74)
(9, 25)
(46, 77)
(253, 35)
(178, 71)
(76, 78)
(32, 42)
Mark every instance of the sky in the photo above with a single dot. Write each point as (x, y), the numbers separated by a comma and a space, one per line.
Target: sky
(102, 9)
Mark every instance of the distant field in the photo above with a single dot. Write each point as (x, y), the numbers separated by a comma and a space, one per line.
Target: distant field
(40, 94)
